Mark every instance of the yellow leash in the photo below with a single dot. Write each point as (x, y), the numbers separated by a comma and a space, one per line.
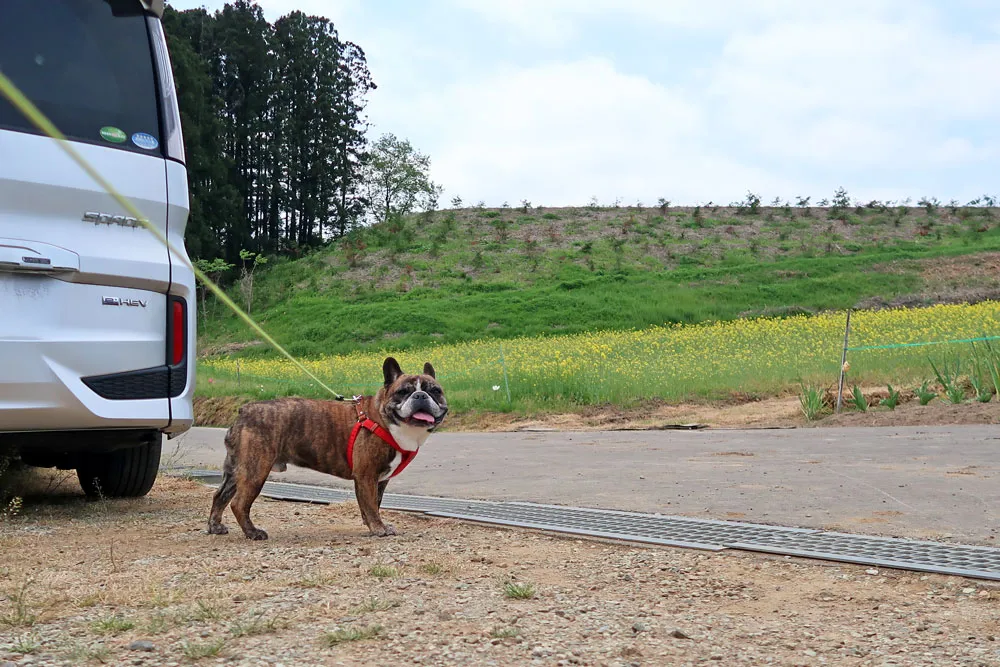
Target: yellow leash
(32, 113)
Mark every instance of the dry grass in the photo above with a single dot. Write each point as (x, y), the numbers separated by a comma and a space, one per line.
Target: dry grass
(518, 590)
(306, 594)
(382, 571)
(374, 604)
(351, 634)
(199, 650)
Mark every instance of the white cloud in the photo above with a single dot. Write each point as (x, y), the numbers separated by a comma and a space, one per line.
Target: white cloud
(559, 19)
(560, 133)
(800, 91)
(799, 94)
(861, 65)
(854, 92)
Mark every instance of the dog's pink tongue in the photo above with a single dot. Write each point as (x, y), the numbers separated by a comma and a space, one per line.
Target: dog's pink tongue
(422, 416)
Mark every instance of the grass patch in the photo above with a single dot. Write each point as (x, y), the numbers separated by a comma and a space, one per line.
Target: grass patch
(157, 624)
(382, 571)
(315, 581)
(112, 625)
(432, 568)
(87, 601)
(21, 613)
(504, 633)
(374, 604)
(159, 598)
(333, 638)
(201, 650)
(255, 625)
(518, 591)
(79, 653)
(26, 644)
(630, 283)
(206, 611)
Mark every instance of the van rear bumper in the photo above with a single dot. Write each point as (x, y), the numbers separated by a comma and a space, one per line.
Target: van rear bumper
(53, 334)
(43, 394)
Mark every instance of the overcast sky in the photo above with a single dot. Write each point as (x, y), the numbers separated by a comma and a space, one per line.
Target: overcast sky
(558, 101)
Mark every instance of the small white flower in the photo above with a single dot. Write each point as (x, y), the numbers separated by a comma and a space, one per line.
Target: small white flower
(496, 387)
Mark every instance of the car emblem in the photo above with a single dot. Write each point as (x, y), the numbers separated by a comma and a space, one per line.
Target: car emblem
(117, 301)
(108, 219)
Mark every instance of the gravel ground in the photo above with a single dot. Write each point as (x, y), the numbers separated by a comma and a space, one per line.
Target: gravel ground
(140, 583)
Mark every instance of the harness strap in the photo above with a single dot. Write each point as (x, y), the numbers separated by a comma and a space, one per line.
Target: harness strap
(364, 422)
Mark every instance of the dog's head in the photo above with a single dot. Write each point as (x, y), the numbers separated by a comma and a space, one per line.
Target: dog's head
(414, 400)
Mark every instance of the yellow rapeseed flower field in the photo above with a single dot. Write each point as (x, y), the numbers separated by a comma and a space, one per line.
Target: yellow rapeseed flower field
(669, 362)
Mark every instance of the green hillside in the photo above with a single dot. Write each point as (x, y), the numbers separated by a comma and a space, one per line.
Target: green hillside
(477, 273)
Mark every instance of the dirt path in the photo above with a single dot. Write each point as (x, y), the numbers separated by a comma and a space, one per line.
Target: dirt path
(82, 581)
(740, 411)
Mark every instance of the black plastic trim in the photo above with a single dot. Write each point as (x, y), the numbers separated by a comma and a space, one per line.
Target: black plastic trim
(72, 442)
(142, 384)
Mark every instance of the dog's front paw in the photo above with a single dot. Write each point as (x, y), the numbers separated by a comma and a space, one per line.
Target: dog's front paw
(383, 531)
(217, 529)
(256, 535)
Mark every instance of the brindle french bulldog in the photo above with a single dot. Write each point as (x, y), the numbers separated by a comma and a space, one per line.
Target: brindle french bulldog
(268, 435)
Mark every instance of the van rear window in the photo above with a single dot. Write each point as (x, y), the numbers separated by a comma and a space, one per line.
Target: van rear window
(87, 64)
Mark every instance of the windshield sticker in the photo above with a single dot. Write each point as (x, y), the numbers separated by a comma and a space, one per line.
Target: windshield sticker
(113, 134)
(146, 141)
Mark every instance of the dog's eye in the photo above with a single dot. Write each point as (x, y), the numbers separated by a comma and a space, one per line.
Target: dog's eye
(434, 391)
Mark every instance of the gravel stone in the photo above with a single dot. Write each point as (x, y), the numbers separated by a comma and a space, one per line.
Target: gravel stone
(597, 603)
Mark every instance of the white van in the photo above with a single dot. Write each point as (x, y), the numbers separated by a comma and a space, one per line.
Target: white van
(97, 317)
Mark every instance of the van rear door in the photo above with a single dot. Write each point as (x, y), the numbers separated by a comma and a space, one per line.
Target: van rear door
(83, 288)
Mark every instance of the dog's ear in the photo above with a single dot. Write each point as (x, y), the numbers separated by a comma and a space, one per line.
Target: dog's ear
(429, 370)
(391, 370)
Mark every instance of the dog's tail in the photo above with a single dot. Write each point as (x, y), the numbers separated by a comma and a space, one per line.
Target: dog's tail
(228, 485)
(233, 432)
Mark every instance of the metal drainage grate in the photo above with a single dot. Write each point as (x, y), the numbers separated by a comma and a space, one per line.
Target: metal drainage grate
(961, 560)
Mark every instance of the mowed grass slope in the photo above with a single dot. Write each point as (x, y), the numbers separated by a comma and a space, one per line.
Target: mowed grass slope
(473, 274)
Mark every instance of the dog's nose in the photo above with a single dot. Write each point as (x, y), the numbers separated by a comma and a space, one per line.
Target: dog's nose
(419, 396)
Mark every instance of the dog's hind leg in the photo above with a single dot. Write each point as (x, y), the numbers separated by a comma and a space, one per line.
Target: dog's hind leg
(225, 493)
(250, 478)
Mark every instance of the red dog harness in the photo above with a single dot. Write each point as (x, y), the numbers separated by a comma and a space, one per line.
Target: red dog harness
(364, 422)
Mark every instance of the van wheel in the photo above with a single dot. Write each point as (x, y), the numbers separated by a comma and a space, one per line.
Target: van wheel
(123, 473)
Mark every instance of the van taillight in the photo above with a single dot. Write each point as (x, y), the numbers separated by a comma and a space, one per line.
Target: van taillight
(178, 331)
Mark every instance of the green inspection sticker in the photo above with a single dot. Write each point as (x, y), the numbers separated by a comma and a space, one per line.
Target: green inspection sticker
(113, 134)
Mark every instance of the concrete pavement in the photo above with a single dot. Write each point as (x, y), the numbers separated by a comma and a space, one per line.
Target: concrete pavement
(919, 482)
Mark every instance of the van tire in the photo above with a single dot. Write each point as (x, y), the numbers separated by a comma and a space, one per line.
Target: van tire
(122, 473)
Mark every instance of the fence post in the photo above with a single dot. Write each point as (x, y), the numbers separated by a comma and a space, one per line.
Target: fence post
(503, 363)
(843, 362)
(237, 372)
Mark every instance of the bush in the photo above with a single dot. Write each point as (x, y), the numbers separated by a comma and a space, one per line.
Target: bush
(858, 399)
(892, 400)
(924, 394)
(811, 401)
